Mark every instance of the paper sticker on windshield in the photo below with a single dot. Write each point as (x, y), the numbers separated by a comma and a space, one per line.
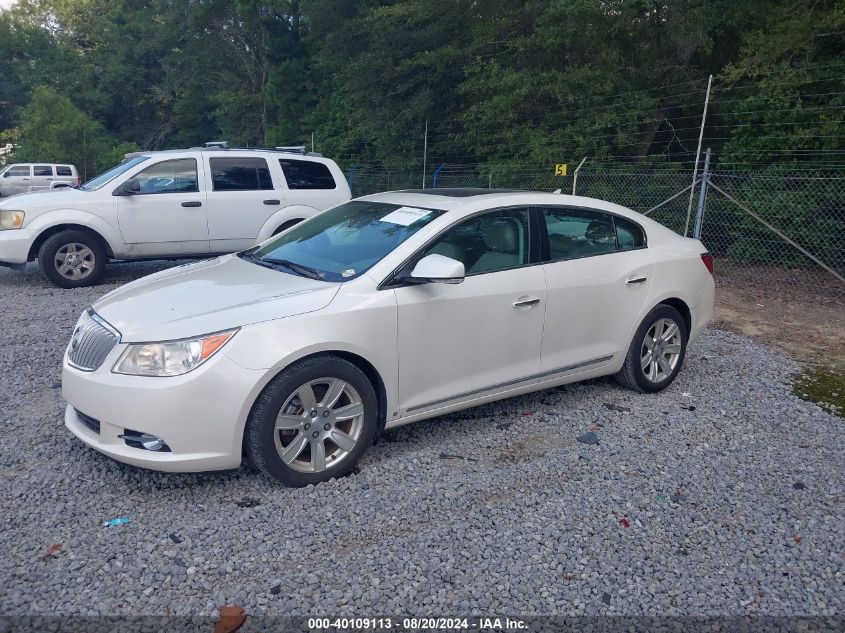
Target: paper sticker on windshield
(405, 216)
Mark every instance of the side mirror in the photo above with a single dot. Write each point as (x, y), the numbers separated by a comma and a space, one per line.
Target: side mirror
(128, 188)
(437, 269)
(6, 175)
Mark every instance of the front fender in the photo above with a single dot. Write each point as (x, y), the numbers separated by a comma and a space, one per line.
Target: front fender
(294, 212)
(104, 229)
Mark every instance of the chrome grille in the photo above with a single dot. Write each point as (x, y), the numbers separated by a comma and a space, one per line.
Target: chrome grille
(91, 342)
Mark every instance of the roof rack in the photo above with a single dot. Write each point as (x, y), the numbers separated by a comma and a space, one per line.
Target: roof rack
(217, 144)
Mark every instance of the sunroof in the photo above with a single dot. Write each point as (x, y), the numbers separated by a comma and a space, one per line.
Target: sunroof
(460, 192)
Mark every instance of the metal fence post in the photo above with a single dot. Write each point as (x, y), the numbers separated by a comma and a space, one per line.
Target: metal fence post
(702, 197)
(435, 174)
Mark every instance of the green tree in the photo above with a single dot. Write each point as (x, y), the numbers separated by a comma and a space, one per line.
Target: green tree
(54, 130)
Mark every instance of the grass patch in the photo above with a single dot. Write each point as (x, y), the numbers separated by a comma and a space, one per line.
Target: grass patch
(823, 385)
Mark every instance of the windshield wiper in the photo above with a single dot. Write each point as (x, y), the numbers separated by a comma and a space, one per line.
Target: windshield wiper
(305, 271)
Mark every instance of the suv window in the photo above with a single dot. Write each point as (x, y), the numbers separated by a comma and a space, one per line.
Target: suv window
(240, 174)
(20, 170)
(169, 176)
(42, 170)
(493, 241)
(574, 233)
(63, 170)
(306, 174)
(629, 235)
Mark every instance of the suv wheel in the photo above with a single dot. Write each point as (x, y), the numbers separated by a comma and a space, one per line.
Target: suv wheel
(72, 259)
(312, 422)
(657, 351)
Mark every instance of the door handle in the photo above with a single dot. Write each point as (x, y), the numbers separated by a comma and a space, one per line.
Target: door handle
(192, 204)
(526, 303)
(272, 202)
(635, 280)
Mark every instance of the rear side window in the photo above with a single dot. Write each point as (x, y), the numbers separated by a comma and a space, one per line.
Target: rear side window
(63, 170)
(20, 170)
(240, 174)
(306, 174)
(42, 170)
(574, 233)
(629, 235)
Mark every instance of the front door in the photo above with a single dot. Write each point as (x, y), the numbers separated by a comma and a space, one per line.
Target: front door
(458, 342)
(16, 179)
(167, 216)
(597, 285)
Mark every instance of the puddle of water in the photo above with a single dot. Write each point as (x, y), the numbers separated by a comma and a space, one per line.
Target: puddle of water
(823, 385)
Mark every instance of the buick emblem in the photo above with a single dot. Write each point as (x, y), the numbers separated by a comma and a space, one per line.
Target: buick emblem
(74, 339)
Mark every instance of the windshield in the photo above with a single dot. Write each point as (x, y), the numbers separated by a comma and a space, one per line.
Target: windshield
(344, 242)
(111, 174)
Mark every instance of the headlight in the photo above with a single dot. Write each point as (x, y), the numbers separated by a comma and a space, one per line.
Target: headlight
(10, 219)
(172, 358)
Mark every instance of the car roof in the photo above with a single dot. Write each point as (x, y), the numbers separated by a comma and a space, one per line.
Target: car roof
(472, 200)
(218, 152)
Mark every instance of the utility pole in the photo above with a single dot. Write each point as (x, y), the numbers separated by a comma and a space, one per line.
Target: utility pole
(698, 154)
(425, 152)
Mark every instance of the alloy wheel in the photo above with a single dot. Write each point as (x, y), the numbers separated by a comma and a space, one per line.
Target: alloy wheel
(75, 261)
(661, 349)
(319, 425)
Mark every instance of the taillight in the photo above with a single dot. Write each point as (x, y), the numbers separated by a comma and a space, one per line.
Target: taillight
(78, 180)
(707, 258)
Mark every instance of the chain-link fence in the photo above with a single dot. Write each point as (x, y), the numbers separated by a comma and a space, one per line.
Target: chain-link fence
(790, 223)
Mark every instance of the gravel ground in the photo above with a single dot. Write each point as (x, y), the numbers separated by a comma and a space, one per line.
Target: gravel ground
(723, 495)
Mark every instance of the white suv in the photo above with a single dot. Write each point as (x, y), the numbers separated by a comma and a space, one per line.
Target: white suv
(170, 204)
(30, 177)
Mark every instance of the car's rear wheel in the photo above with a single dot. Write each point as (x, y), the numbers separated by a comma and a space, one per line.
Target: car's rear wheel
(657, 351)
(72, 259)
(312, 422)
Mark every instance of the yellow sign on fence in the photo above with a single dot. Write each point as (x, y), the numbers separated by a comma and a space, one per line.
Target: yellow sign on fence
(560, 169)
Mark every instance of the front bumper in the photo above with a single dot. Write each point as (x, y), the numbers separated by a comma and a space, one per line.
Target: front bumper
(200, 415)
(15, 245)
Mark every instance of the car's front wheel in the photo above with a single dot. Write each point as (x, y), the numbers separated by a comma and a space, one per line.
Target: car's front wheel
(312, 422)
(72, 259)
(657, 351)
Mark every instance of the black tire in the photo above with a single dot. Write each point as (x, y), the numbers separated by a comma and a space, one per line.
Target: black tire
(53, 244)
(260, 435)
(632, 375)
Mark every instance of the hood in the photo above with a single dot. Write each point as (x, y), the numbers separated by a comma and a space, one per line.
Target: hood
(47, 198)
(209, 296)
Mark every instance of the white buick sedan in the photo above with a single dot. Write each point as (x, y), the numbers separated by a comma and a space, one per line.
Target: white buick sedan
(385, 310)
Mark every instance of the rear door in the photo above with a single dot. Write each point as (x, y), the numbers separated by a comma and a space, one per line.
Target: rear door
(167, 215)
(42, 177)
(597, 284)
(241, 199)
(16, 179)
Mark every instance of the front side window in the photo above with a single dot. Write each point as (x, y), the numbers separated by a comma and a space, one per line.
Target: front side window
(114, 172)
(306, 174)
(574, 233)
(493, 241)
(19, 170)
(240, 174)
(42, 170)
(169, 176)
(342, 243)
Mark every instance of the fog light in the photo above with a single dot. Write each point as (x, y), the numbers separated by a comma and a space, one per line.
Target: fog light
(145, 441)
